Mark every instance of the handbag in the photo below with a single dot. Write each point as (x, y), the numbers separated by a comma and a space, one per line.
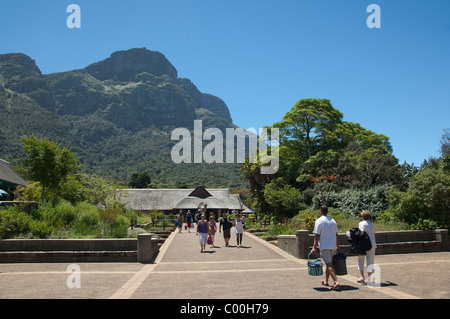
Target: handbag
(315, 268)
(210, 241)
(339, 264)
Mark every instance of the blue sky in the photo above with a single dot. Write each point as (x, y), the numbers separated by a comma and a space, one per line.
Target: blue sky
(261, 57)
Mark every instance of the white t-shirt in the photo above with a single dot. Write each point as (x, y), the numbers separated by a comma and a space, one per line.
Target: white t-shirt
(327, 228)
(369, 228)
(239, 226)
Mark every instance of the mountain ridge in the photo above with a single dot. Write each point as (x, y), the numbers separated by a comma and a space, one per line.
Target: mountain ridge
(127, 103)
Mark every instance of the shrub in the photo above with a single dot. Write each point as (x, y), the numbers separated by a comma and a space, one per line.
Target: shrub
(13, 222)
(352, 201)
(65, 214)
(306, 219)
(114, 224)
(427, 200)
(87, 220)
(424, 224)
(40, 228)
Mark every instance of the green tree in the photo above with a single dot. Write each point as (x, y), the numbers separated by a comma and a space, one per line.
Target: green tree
(445, 142)
(315, 141)
(47, 163)
(306, 127)
(283, 199)
(445, 150)
(427, 198)
(140, 180)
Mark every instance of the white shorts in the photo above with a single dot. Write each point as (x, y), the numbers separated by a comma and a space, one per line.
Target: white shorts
(327, 255)
(203, 238)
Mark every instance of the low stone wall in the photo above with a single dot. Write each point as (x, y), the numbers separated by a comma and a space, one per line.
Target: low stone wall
(391, 242)
(143, 249)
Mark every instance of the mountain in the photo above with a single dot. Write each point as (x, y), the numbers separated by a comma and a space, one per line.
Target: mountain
(117, 115)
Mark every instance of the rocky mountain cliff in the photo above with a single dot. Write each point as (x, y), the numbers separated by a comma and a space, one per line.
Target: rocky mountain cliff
(116, 114)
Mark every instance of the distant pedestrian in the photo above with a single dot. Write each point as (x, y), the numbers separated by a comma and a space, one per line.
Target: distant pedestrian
(366, 226)
(212, 229)
(179, 222)
(226, 224)
(202, 232)
(326, 236)
(239, 227)
(189, 220)
(198, 216)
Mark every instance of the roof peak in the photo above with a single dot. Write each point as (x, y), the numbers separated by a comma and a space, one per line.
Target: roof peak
(200, 192)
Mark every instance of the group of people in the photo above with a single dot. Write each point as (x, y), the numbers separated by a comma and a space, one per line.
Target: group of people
(326, 238)
(181, 217)
(206, 230)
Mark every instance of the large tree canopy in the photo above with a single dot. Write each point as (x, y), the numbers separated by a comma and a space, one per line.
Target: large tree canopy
(314, 142)
(46, 162)
(306, 127)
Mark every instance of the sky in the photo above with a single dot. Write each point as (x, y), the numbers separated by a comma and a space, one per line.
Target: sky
(261, 57)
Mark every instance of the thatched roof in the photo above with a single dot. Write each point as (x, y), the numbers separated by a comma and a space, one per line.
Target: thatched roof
(7, 175)
(174, 199)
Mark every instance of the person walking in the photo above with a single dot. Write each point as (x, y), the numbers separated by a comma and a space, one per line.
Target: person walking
(188, 220)
(326, 237)
(202, 232)
(239, 227)
(179, 222)
(366, 226)
(226, 223)
(212, 229)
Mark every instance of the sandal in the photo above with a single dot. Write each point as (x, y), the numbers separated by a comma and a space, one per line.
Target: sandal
(336, 287)
(324, 284)
(360, 281)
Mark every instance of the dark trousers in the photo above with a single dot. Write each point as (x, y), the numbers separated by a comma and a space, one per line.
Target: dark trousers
(239, 238)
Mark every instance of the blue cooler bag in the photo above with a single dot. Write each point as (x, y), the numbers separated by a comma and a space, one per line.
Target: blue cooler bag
(315, 268)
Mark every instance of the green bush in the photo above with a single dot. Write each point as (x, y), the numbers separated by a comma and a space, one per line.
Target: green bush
(87, 214)
(87, 220)
(14, 222)
(61, 219)
(426, 202)
(352, 201)
(306, 219)
(424, 224)
(113, 223)
(65, 214)
(40, 228)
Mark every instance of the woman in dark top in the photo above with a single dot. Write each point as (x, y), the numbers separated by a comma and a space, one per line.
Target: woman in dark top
(202, 231)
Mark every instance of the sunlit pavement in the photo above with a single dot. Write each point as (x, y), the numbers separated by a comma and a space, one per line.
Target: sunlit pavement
(257, 270)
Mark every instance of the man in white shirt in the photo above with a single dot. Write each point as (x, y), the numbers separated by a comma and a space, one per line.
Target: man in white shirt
(326, 236)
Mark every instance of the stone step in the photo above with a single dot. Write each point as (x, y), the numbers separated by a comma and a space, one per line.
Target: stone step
(67, 256)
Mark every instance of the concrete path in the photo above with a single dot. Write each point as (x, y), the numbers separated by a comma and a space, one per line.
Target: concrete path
(258, 270)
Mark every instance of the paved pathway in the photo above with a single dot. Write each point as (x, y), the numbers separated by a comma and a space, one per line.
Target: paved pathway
(258, 270)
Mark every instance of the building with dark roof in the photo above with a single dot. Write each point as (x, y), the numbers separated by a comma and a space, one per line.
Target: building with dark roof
(9, 180)
(214, 200)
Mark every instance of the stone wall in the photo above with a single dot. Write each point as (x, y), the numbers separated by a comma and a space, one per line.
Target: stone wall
(390, 242)
(143, 249)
